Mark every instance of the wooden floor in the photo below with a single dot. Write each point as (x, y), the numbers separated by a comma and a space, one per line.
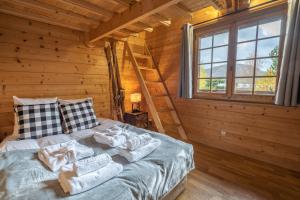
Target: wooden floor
(202, 186)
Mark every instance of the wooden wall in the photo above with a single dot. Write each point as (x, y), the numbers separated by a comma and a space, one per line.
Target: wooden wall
(40, 60)
(265, 132)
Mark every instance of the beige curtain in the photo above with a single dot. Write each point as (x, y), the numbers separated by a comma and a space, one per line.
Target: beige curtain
(288, 86)
(186, 63)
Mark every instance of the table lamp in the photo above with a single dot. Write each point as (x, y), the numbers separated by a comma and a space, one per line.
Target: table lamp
(135, 99)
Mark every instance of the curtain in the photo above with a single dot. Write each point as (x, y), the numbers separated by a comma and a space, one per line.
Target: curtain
(288, 85)
(186, 63)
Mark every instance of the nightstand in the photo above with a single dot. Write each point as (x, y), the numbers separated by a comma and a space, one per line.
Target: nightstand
(139, 119)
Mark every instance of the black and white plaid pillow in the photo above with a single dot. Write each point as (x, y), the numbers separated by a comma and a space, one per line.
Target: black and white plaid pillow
(36, 121)
(78, 116)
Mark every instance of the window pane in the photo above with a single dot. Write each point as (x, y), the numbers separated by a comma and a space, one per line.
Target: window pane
(269, 28)
(204, 84)
(268, 47)
(247, 33)
(244, 68)
(243, 85)
(205, 42)
(205, 56)
(218, 85)
(245, 50)
(221, 39)
(219, 70)
(266, 67)
(204, 71)
(220, 54)
(265, 85)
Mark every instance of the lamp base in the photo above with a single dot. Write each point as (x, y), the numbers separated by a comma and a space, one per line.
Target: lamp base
(135, 111)
(135, 108)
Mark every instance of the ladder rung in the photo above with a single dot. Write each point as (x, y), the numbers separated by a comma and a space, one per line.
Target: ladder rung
(172, 125)
(153, 82)
(159, 96)
(138, 55)
(146, 68)
(165, 110)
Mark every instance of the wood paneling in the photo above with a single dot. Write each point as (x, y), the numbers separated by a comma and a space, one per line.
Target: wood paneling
(266, 181)
(41, 60)
(203, 184)
(263, 132)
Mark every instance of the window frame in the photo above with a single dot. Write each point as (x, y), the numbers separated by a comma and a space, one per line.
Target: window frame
(196, 58)
(230, 23)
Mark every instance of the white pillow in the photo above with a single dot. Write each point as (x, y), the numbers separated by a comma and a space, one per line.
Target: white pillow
(28, 101)
(68, 101)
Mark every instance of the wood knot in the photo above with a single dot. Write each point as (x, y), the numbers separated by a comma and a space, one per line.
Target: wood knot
(42, 46)
(24, 40)
(3, 89)
(41, 38)
(56, 49)
(18, 60)
(17, 49)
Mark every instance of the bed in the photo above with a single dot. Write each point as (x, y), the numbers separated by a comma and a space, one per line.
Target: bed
(160, 175)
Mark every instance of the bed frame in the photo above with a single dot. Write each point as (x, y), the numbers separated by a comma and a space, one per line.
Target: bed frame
(176, 191)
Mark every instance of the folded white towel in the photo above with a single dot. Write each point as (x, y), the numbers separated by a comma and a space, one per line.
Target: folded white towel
(58, 155)
(74, 185)
(138, 141)
(91, 164)
(141, 152)
(113, 141)
(114, 136)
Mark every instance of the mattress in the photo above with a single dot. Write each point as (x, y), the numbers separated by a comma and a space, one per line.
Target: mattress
(23, 176)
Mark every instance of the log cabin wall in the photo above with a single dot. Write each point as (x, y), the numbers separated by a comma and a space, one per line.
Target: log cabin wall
(41, 60)
(128, 76)
(262, 142)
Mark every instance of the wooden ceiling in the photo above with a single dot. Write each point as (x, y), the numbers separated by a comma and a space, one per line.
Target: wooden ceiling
(107, 18)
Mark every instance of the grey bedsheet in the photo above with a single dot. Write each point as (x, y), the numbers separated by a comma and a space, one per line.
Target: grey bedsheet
(23, 176)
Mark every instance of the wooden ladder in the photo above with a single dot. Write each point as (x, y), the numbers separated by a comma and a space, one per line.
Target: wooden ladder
(148, 65)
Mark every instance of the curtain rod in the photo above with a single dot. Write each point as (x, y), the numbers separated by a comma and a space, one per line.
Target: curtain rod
(235, 12)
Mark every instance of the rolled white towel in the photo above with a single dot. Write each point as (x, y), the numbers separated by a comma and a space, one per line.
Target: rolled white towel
(138, 141)
(91, 164)
(113, 141)
(74, 185)
(141, 152)
(58, 155)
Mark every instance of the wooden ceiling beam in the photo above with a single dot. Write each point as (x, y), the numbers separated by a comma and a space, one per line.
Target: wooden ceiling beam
(162, 19)
(129, 32)
(33, 4)
(144, 26)
(89, 7)
(217, 4)
(184, 8)
(4, 8)
(137, 12)
(126, 3)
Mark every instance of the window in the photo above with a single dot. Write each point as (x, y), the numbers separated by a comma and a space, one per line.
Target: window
(239, 60)
(212, 64)
(257, 57)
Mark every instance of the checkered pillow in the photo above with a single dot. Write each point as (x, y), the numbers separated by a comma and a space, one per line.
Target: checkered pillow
(36, 121)
(78, 116)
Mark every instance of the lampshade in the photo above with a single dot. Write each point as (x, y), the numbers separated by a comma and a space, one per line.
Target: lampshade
(135, 97)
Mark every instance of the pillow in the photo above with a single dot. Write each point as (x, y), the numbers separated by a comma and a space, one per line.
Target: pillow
(68, 101)
(36, 121)
(78, 116)
(28, 101)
